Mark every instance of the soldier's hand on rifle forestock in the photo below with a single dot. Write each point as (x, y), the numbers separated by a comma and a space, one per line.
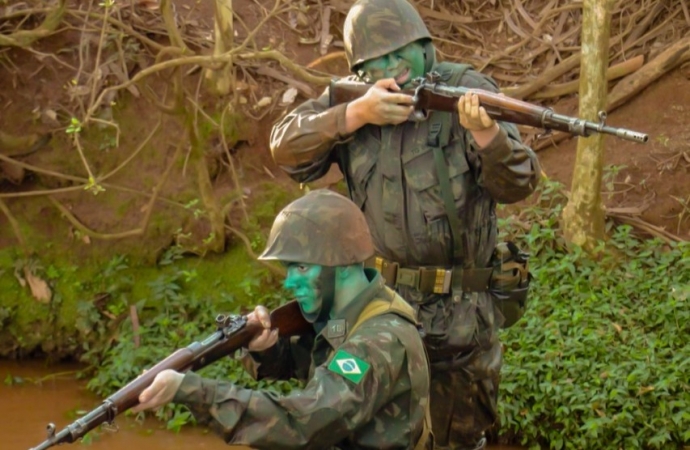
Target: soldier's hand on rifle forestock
(476, 120)
(267, 338)
(383, 104)
(161, 391)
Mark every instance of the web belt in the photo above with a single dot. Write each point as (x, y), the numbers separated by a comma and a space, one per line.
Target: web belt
(437, 280)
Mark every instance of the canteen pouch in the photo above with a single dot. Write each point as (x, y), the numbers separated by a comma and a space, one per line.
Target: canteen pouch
(510, 280)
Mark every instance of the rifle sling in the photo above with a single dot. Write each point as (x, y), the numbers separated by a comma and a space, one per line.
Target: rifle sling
(440, 127)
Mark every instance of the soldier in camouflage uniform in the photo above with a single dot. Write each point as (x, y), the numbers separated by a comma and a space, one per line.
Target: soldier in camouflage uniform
(368, 376)
(391, 168)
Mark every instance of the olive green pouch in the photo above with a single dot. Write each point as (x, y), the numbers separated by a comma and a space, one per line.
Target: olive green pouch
(510, 282)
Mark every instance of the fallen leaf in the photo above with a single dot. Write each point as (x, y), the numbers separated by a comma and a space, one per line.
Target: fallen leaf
(289, 97)
(49, 117)
(39, 287)
(265, 101)
(151, 5)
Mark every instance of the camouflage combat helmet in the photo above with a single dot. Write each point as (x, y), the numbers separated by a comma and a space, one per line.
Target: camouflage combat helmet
(374, 28)
(323, 228)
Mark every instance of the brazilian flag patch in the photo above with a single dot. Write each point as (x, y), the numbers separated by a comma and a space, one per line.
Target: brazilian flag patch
(349, 366)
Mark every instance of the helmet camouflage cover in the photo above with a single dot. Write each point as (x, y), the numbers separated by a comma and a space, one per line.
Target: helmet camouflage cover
(374, 28)
(323, 228)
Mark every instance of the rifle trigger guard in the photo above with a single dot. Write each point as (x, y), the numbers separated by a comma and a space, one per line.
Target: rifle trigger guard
(418, 115)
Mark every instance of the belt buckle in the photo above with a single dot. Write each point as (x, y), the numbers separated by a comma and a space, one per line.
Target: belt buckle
(442, 281)
(407, 277)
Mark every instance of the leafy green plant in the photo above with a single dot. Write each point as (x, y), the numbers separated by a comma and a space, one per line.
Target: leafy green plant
(600, 360)
(74, 126)
(172, 318)
(611, 172)
(170, 255)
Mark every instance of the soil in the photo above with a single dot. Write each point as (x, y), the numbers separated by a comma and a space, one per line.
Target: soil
(651, 179)
(646, 179)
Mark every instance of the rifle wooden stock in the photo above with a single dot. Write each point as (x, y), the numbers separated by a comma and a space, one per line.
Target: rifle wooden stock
(432, 96)
(233, 333)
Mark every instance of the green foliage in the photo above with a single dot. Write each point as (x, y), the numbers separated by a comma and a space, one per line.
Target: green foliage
(172, 317)
(74, 126)
(92, 294)
(269, 198)
(600, 360)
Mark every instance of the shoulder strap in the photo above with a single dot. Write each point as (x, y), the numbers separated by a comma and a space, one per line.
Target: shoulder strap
(440, 126)
(426, 430)
(379, 307)
(400, 307)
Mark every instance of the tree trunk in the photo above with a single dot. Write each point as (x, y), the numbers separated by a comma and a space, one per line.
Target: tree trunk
(215, 241)
(221, 81)
(583, 216)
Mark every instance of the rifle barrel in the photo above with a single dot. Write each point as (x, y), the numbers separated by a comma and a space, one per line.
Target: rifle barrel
(233, 333)
(434, 96)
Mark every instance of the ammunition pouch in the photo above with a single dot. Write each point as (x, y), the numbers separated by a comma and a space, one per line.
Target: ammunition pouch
(509, 282)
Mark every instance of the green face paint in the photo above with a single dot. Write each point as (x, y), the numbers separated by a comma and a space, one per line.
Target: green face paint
(304, 281)
(403, 64)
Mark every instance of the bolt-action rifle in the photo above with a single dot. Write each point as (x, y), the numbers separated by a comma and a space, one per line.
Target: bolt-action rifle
(429, 94)
(233, 332)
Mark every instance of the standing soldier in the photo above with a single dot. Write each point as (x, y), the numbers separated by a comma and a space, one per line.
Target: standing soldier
(428, 191)
(368, 376)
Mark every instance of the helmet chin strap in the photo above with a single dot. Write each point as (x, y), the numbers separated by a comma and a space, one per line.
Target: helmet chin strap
(429, 56)
(326, 282)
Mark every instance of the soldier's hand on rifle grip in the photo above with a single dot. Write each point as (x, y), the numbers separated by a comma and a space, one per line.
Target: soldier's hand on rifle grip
(161, 391)
(267, 338)
(381, 105)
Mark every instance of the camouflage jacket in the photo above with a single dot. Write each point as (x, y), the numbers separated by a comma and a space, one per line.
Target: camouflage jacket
(377, 403)
(391, 176)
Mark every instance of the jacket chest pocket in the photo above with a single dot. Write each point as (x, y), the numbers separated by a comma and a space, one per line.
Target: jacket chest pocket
(422, 178)
(362, 155)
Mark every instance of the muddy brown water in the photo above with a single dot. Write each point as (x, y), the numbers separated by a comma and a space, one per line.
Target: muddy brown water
(53, 394)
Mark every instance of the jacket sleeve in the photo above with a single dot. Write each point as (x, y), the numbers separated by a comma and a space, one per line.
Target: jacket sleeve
(289, 358)
(302, 142)
(325, 412)
(508, 169)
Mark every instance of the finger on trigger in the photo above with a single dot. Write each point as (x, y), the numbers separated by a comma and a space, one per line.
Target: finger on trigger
(404, 99)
